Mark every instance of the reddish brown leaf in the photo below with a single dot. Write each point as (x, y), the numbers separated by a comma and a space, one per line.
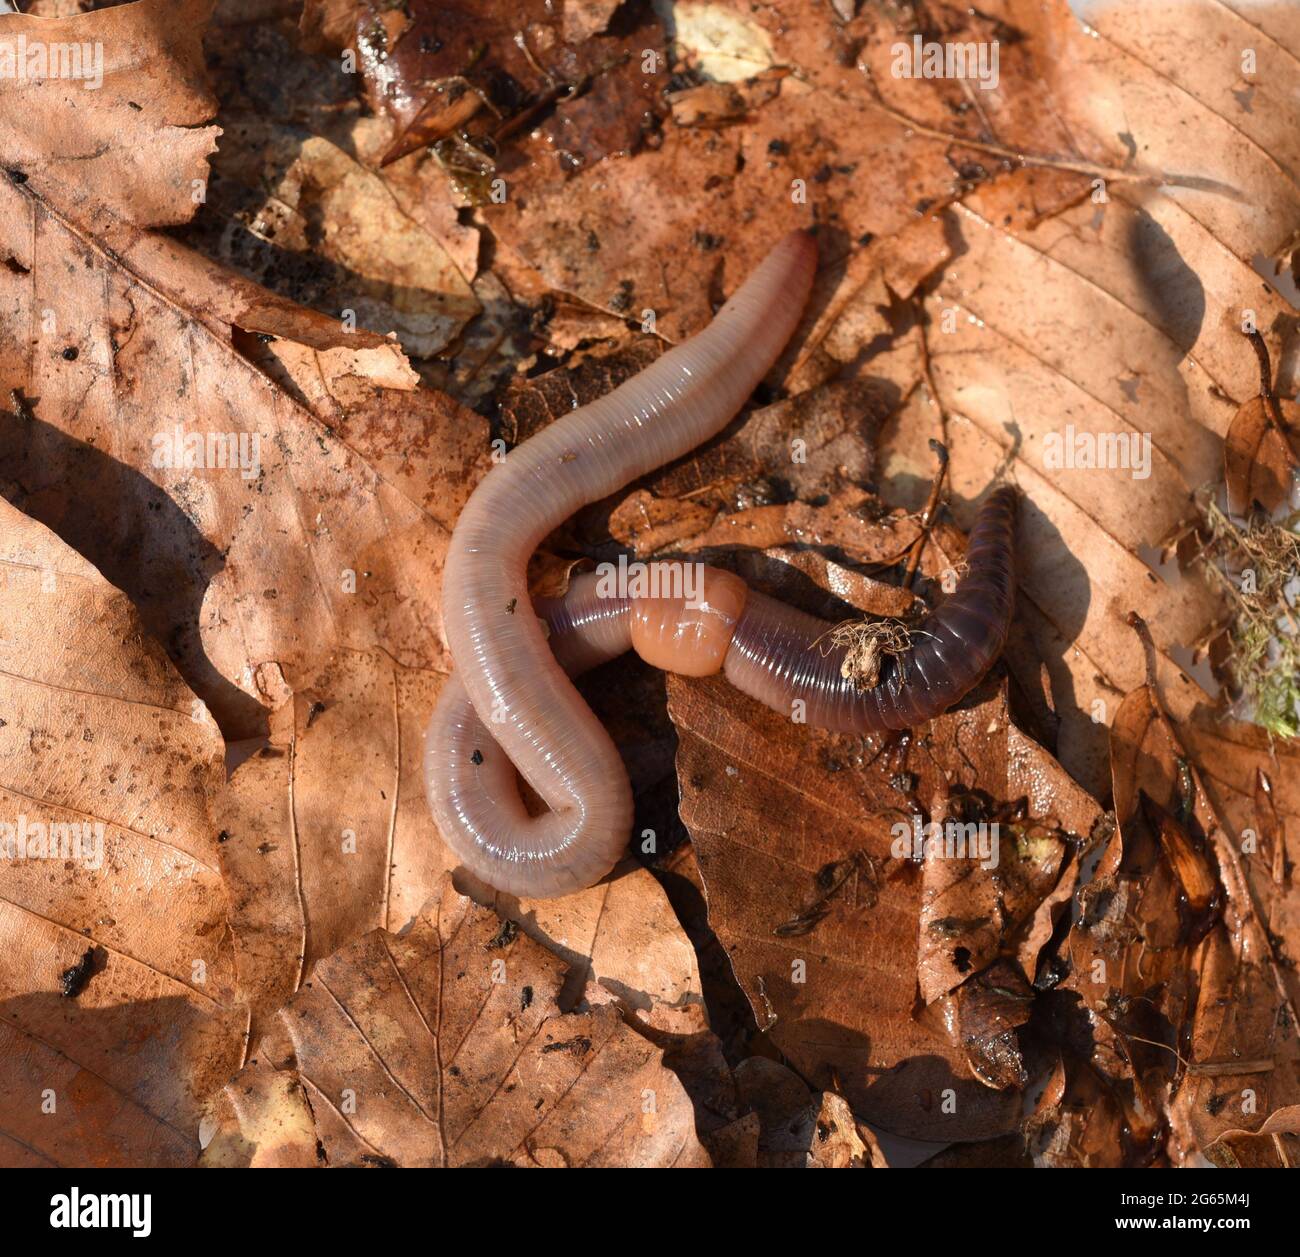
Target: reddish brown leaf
(1259, 460)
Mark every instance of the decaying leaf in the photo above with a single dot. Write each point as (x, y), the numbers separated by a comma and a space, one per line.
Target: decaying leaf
(463, 80)
(1186, 1026)
(795, 835)
(209, 493)
(118, 1011)
(446, 1047)
(326, 835)
(118, 132)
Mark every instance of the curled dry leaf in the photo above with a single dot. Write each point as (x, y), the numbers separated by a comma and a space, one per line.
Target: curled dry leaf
(117, 1011)
(289, 206)
(1259, 458)
(446, 1046)
(1274, 1146)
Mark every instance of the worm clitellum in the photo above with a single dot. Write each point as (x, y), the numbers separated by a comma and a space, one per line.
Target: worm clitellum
(511, 680)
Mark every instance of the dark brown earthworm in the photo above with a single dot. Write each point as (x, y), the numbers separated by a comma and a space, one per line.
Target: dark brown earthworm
(510, 703)
(778, 655)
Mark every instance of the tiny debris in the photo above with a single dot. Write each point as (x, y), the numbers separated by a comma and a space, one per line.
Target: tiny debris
(865, 643)
(579, 1046)
(22, 407)
(72, 981)
(828, 881)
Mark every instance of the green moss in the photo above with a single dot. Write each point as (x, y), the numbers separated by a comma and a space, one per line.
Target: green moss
(1252, 564)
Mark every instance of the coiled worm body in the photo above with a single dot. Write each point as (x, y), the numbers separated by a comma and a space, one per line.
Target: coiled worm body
(510, 703)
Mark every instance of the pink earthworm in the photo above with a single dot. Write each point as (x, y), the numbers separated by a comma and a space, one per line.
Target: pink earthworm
(510, 703)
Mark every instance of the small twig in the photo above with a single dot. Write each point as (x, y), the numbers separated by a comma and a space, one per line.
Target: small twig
(1266, 388)
(1222, 1069)
(1011, 154)
(928, 376)
(1137, 1038)
(973, 100)
(927, 515)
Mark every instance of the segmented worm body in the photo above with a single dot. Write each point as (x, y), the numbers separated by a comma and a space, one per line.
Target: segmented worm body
(777, 655)
(510, 703)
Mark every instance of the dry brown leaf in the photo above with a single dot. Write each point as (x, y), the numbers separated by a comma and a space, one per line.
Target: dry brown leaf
(799, 1130)
(252, 571)
(1259, 461)
(325, 831)
(1118, 316)
(1275, 1146)
(1189, 1028)
(468, 78)
(262, 1120)
(326, 835)
(287, 205)
(447, 1047)
(121, 137)
(1254, 784)
(117, 1013)
(794, 830)
(811, 139)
